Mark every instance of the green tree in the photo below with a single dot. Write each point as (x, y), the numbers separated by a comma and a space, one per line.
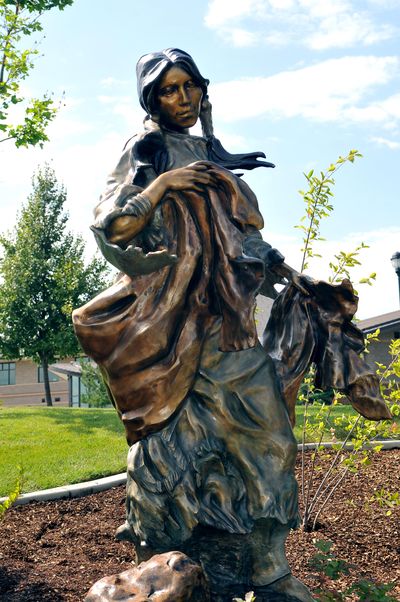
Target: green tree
(96, 394)
(20, 19)
(44, 278)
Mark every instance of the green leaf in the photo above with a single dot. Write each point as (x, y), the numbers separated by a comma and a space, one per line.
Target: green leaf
(17, 62)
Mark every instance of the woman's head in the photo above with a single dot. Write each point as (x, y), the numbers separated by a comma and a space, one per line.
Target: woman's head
(160, 74)
(152, 74)
(177, 99)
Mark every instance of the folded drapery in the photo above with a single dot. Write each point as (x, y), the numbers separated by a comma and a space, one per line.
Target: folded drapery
(317, 329)
(147, 332)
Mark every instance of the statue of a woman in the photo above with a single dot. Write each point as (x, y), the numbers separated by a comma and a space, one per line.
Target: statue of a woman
(211, 462)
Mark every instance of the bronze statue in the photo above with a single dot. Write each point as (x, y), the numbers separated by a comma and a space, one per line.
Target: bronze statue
(211, 462)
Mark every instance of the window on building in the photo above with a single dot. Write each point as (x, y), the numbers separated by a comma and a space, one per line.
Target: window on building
(396, 334)
(52, 377)
(77, 389)
(7, 373)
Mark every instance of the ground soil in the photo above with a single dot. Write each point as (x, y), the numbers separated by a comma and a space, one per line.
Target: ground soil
(54, 551)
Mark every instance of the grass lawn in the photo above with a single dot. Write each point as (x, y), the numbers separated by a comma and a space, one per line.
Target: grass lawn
(337, 410)
(57, 446)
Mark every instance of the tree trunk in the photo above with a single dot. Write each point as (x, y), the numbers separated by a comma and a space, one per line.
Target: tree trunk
(45, 366)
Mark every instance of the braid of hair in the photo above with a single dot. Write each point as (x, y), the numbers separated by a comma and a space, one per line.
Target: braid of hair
(206, 118)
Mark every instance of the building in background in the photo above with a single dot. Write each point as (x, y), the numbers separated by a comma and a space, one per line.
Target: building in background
(389, 326)
(72, 371)
(21, 383)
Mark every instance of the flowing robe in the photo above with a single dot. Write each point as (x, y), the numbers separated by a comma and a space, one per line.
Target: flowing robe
(176, 341)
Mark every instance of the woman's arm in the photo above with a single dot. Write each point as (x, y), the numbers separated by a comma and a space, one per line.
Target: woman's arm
(124, 227)
(255, 246)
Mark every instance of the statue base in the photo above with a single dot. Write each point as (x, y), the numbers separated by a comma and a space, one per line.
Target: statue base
(172, 577)
(235, 564)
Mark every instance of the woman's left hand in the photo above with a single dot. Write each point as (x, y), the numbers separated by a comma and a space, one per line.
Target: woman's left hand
(292, 275)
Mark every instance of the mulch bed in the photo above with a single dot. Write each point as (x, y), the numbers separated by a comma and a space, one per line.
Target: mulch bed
(55, 551)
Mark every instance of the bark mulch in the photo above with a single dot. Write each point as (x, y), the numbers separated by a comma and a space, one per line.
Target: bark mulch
(54, 551)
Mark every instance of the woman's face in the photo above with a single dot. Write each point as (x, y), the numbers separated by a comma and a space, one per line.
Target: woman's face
(178, 99)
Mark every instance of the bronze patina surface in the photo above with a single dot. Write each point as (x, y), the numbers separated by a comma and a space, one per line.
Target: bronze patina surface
(206, 407)
(169, 577)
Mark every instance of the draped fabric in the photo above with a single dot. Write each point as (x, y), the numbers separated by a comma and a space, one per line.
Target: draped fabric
(316, 328)
(224, 460)
(202, 402)
(147, 333)
(176, 341)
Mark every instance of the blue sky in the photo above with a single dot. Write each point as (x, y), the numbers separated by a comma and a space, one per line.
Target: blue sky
(302, 80)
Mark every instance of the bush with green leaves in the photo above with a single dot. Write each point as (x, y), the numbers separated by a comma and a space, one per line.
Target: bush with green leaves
(387, 500)
(349, 432)
(372, 592)
(346, 430)
(13, 495)
(318, 205)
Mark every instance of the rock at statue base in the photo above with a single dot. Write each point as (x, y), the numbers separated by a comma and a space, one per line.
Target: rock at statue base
(169, 577)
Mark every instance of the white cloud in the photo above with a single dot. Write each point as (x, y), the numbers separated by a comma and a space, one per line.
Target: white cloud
(63, 127)
(277, 38)
(124, 107)
(388, 4)
(81, 150)
(66, 122)
(83, 169)
(70, 102)
(19, 164)
(234, 142)
(342, 85)
(385, 112)
(392, 144)
(133, 116)
(346, 30)
(108, 99)
(312, 23)
(242, 37)
(109, 82)
(383, 295)
(221, 12)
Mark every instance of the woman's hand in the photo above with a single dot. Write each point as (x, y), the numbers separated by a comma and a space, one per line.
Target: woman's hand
(294, 277)
(192, 177)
